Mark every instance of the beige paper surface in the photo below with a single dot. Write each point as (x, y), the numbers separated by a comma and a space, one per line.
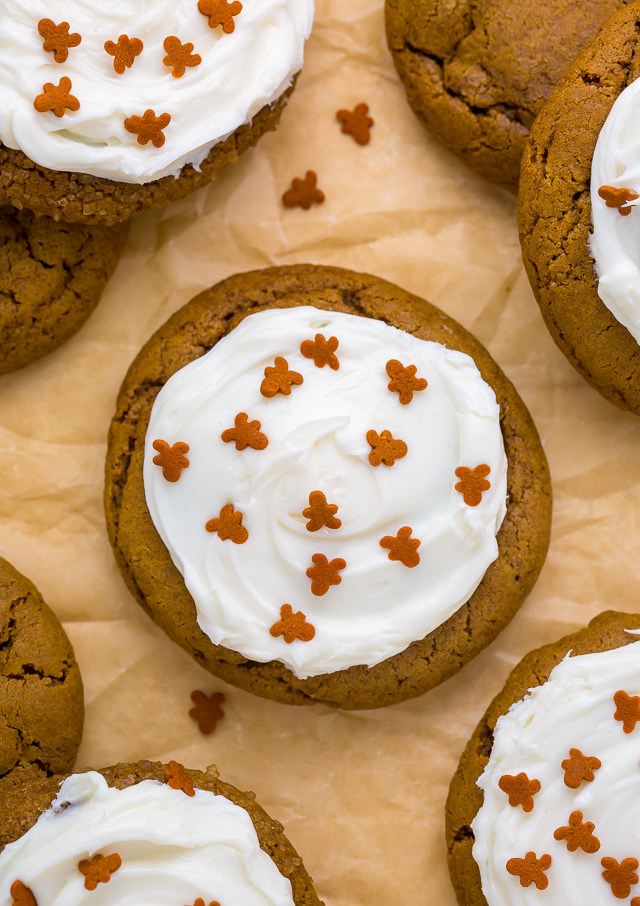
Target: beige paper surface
(361, 795)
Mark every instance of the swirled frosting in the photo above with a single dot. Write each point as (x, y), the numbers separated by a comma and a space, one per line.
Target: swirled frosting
(615, 242)
(239, 73)
(318, 442)
(173, 848)
(573, 710)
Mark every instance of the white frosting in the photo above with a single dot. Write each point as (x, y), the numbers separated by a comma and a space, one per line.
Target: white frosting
(239, 74)
(615, 243)
(174, 849)
(317, 440)
(573, 709)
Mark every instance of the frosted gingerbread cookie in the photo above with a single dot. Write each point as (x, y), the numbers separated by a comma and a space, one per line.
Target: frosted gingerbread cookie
(41, 707)
(108, 110)
(542, 807)
(324, 507)
(145, 833)
(578, 212)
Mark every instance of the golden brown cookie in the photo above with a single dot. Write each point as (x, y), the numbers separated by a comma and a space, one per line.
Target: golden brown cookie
(51, 278)
(477, 72)
(159, 587)
(20, 810)
(605, 632)
(554, 212)
(41, 707)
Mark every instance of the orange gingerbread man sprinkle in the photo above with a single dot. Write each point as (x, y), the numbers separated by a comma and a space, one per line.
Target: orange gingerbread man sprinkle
(57, 39)
(320, 513)
(324, 573)
(56, 98)
(292, 626)
(171, 459)
(321, 351)
(98, 869)
(578, 767)
(404, 380)
(245, 434)
(530, 870)
(578, 835)
(356, 123)
(148, 128)
(228, 525)
(179, 56)
(627, 710)
(616, 198)
(207, 710)
(220, 12)
(402, 547)
(200, 902)
(520, 790)
(622, 876)
(178, 779)
(124, 52)
(22, 895)
(278, 378)
(472, 483)
(385, 448)
(303, 192)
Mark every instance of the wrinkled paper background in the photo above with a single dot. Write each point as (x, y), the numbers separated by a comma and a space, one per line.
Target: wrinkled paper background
(361, 795)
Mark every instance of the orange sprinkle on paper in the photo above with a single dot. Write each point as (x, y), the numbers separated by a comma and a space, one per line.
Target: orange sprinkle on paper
(356, 123)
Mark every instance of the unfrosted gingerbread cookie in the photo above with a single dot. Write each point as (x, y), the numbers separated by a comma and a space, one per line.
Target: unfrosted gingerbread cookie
(477, 72)
(41, 708)
(108, 110)
(324, 507)
(145, 832)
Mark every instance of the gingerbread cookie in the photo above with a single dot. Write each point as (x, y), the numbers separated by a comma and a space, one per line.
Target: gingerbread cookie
(107, 113)
(542, 808)
(477, 74)
(577, 212)
(146, 832)
(41, 708)
(317, 523)
(51, 278)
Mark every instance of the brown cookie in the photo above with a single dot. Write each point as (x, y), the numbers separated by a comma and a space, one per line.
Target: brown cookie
(477, 72)
(20, 810)
(51, 278)
(554, 212)
(41, 707)
(159, 587)
(78, 198)
(603, 633)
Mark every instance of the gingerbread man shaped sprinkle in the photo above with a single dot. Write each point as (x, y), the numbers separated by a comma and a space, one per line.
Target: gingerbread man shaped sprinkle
(303, 192)
(321, 351)
(220, 12)
(620, 875)
(473, 483)
(404, 381)
(530, 870)
(292, 626)
(324, 573)
(520, 790)
(124, 52)
(402, 547)
(320, 513)
(22, 895)
(99, 869)
(627, 710)
(57, 98)
(578, 768)
(578, 835)
(228, 525)
(148, 127)
(207, 710)
(200, 902)
(356, 123)
(278, 378)
(616, 198)
(385, 449)
(179, 56)
(245, 434)
(178, 779)
(57, 39)
(171, 459)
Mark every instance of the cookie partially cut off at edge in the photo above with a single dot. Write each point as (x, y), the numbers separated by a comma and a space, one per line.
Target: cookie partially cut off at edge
(477, 72)
(554, 212)
(51, 278)
(78, 198)
(19, 811)
(41, 706)
(604, 632)
(158, 586)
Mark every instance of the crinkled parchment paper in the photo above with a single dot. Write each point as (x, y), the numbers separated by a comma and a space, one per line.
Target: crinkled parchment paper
(361, 795)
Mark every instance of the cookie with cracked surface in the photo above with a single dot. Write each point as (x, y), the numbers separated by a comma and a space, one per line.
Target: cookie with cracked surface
(558, 204)
(51, 278)
(477, 72)
(577, 743)
(195, 817)
(158, 585)
(41, 706)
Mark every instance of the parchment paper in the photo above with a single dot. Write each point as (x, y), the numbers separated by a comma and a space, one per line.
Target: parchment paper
(361, 795)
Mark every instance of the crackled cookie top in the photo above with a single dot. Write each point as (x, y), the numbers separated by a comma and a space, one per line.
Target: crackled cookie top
(148, 843)
(559, 821)
(329, 487)
(132, 90)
